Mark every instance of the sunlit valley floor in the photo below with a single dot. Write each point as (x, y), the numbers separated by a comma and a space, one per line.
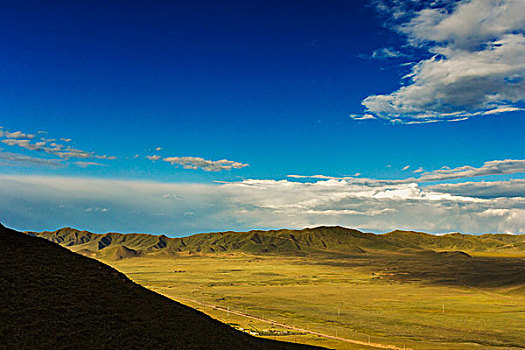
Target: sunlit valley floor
(404, 298)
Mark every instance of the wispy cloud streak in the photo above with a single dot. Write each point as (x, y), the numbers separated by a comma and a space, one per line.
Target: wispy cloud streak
(494, 167)
(204, 164)
(49, 146)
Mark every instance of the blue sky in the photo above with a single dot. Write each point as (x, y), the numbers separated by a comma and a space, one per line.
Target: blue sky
(361, 92)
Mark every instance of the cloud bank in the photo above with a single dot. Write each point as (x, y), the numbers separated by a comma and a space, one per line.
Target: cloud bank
(475, 62)
(36, 203)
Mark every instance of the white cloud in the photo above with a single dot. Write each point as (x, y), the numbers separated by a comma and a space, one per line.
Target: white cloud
(172, 196)
(154, 157)
(15, 159)
(493, 167)
(87, 164)
(30, 203)
(362, 116)
(385, 53)
(499, 110)
(476, 68)
(23, 143)
(158, 148)
(96, 210)
(49, 146)
(483, 189)
(470, 24)
(207, 165)
(16, 135)
(418, 170)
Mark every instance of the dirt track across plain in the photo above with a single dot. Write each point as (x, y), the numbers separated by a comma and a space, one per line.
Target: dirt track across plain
(280, 324)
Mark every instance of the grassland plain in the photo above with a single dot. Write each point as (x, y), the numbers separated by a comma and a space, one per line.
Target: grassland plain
(404, 289)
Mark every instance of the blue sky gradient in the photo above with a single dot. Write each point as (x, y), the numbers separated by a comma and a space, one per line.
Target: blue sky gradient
(275, 86)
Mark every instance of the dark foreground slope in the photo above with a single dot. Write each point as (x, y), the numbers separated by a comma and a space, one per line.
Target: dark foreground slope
(52, 298)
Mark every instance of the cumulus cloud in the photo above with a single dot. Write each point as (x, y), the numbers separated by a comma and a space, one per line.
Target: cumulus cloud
(25, 144)
(32, 203)
(154, 157)
(475, 67)
(468, 25)
(16, 135)
(206, 165)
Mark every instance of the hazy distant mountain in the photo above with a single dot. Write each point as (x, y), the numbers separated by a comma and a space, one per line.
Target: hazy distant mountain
(319, 240)
(51, 298)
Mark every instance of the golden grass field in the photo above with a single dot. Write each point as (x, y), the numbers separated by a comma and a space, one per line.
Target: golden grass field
(410, 301)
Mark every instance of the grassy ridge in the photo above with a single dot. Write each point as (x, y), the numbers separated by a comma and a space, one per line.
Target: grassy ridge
(325, 240)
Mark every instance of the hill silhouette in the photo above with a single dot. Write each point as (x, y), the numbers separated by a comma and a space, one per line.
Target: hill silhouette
(287, 242)
(51, 298)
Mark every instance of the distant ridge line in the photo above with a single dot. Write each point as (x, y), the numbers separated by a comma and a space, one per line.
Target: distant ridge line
(299, 242)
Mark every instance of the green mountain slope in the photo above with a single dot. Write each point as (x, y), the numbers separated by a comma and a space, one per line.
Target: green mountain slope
(51, 298)
(457, 241)
(288, 242)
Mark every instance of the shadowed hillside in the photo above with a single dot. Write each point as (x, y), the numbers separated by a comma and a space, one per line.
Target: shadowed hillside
(51, 298)
(327, 240)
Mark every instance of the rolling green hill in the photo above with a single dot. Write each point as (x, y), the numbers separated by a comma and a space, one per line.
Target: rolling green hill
(319, 240)
(51, 298)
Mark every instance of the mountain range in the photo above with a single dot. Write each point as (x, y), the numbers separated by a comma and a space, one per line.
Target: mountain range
(319, 240)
